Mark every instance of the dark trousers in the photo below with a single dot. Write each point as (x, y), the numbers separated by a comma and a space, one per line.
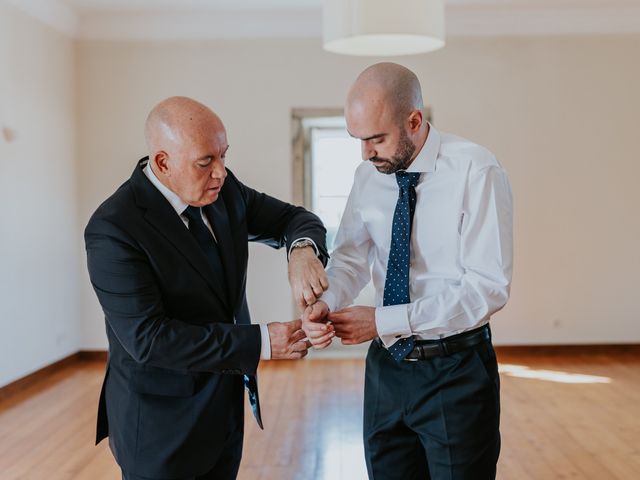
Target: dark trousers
(432, 419)
(227, 464)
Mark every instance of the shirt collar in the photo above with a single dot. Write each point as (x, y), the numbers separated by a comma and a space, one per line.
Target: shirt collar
(176, 202)
(426, 159)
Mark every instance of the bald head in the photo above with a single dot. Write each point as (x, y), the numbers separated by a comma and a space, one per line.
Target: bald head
(187, 145)
(388, 86)
(177, 120)
(384, 110)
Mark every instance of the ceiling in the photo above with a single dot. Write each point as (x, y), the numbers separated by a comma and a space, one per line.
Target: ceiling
(199, 5)
(185, 5)
(118, 20)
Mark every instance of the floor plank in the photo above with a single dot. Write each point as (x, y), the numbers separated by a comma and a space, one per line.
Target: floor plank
(564, 416)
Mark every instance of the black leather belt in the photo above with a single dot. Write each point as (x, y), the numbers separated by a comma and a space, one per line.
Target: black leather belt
(425, 349)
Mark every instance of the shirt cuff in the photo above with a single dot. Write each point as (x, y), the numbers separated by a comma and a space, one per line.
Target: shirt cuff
(392, 323)
(265, 349)
(330, 299)
(315, 247)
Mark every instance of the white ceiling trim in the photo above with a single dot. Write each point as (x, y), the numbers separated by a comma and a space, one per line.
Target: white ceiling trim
(462, 20)
(50, 12)
(151, 26)
(543, 21)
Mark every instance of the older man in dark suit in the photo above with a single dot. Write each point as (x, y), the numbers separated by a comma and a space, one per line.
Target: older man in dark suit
(167, 257)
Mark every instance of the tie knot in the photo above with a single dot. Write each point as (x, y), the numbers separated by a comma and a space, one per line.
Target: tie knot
(407, 179)
(193, 213)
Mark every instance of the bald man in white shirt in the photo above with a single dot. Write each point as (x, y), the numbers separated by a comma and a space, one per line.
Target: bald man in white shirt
(429, 219)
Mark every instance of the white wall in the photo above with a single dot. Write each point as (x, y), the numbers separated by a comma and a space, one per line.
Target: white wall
(39, 245)
(560, 113)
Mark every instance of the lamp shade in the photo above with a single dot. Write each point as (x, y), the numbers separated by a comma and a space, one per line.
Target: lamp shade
(383, 27)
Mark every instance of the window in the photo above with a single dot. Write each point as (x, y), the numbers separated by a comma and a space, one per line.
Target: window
(325, 158)
(331, 161)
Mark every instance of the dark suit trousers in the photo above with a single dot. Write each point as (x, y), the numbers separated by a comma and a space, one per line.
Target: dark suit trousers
(226, 468)
(432, 419)
(229, 455)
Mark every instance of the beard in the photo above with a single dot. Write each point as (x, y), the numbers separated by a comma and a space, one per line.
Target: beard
(400, 159)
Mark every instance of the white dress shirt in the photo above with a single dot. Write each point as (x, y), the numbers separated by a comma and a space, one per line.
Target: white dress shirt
(179, 206)
(461, 242)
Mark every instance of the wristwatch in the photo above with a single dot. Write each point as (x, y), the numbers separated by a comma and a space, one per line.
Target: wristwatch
(302, 243)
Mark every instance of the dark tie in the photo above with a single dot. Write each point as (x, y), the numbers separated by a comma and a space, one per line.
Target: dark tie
(396, 286)
(211, 251)
(205, 239)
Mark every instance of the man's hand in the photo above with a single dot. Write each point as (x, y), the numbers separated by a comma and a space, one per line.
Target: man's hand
(314, 323)
(287, 340)
(354, 325)
(306, 276)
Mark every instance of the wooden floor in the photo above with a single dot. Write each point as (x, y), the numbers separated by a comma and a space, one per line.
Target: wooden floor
(564, 416)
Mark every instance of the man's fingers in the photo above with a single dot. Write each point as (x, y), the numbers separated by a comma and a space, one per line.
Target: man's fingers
(339, 317)
(298, 335)
(317, 289)
(315, 334)
(295, 324)
(323, 339)
(320, 346)
(301, 303)
(299, 346)
(312, 335)
(345, 315)
(308, 295)
(317, 312)
(315, 328)
(299, 355)
(342, 332)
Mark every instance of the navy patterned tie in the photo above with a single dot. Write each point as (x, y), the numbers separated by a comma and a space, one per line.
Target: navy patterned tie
(396, 286)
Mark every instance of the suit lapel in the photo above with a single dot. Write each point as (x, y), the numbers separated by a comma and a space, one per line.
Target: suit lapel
(161, 215)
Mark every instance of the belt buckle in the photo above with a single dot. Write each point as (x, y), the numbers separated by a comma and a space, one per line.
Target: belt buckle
(416, 347)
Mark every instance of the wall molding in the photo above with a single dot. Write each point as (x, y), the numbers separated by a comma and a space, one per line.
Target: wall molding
(590, 350)
(38, 376)
(204, 25)
(306, 23)
(507, 352)
(93, 355)
(462, 19)
(543, 21)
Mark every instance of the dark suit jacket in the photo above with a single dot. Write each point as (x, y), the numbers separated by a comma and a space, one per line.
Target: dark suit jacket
(175, 351)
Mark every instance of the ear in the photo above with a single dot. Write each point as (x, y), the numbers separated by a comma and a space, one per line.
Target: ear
(415, 121)
(160, 162)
